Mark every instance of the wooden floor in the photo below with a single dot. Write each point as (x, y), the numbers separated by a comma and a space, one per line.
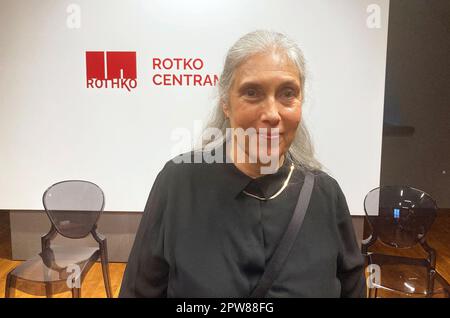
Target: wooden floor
(438, 238)
(92, 286)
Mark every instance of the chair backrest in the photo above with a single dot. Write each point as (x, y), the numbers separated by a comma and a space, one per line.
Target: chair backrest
(400, 216)
(74, 207)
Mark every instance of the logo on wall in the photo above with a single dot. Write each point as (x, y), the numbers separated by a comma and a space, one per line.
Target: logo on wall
(181, 72)
(111, 70)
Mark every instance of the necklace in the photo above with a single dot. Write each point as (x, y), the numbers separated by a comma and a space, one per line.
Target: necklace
(285, 183)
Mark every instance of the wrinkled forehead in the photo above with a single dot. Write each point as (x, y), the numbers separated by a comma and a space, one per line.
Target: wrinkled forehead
(267, 65)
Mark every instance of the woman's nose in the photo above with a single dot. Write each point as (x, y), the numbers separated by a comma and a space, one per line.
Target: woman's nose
(270, 114)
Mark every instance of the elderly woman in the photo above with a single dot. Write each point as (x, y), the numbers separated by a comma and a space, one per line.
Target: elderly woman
(226, 228)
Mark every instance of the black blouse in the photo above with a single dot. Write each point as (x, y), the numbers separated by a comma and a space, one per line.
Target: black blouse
(201, 236)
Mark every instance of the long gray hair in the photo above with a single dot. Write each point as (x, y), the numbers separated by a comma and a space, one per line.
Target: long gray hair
(301, 149)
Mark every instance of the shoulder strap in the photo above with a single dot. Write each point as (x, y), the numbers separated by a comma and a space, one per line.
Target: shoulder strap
(278, 258)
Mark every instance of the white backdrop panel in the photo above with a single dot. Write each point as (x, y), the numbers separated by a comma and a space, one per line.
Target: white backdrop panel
(53, 127)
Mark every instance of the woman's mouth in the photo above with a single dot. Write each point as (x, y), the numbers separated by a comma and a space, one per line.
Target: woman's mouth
(270, 135)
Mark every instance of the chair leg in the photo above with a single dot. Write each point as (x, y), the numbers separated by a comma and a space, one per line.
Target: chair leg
(430, 283)
(372, 292)
(10, 286)
(48, 290)
(101, 239)
(105, 269)
(375, 295)
(76, 292)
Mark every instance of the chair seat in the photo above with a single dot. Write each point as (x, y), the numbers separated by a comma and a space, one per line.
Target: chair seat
(404, 275)
(56, 264)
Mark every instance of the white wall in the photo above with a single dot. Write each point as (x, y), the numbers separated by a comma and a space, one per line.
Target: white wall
(52, 127)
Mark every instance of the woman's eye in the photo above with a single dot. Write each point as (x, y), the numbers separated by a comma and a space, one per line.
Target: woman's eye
(288, 93)
(251, 92)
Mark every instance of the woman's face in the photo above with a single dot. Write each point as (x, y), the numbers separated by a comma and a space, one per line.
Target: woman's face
(265, 93)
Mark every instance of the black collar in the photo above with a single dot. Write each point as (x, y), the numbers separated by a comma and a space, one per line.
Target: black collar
(235, 181)
(269, 184)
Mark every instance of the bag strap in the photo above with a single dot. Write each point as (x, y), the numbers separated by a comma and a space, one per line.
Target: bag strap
(281, 253)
